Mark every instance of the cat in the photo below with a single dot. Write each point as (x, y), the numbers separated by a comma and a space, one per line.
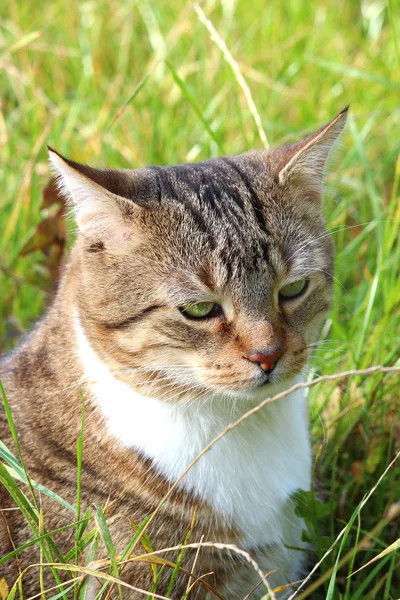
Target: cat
(191, 294)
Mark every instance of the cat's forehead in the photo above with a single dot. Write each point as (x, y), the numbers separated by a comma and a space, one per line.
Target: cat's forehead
(227, 221)
(226, 199)
(217, 185)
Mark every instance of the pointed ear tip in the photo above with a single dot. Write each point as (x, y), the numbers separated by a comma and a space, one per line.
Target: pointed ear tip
(56, 159)
(339, 121)
(343, 112)
(52, 152)
(54, 156)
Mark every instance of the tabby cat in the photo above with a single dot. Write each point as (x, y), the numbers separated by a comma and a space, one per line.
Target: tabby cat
(192, 293)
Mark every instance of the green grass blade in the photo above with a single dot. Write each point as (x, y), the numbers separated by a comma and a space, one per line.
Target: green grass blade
(30, 515)
(348, 591)
(180, 556)
(63, 592)
(392, 548)
(45, 536)
(91, 555)
(39, 487)
(16, 442)
(135, 538)
(153, 588)
(8, 456)
(79, 455)
(109, 544)
(359, 593)
(189, 97)
(392, 21)
(354, 73)
(125, 555)
(132, 97)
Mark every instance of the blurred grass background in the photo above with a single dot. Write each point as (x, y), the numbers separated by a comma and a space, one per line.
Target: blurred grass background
(125, 84)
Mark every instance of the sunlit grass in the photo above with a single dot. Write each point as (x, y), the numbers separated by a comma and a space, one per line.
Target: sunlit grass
(124, 85)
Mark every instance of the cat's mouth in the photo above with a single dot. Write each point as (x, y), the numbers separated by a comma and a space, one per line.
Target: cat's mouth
(263, 380)
(268, 378)
(264, 387)
(266, 381)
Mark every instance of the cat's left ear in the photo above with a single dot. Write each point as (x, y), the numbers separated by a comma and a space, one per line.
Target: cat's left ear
(304, 162)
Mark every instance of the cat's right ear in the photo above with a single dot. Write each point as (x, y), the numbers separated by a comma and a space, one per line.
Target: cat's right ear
(102, 210)
(303, 162)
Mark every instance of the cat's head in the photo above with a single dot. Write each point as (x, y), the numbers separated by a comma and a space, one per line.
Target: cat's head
(204, 277)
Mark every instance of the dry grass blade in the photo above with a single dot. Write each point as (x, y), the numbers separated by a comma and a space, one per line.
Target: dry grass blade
(247, 596)
(155, 560)
(99, 575)
(54, 587)
(236, 69)
(168, 563)
(189, 586)
(392, 548)
(197, 580)
(218, 546)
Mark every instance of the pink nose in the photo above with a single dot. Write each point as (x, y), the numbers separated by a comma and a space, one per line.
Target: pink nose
(267, 361)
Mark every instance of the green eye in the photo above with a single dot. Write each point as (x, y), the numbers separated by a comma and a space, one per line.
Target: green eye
(293, 290)
(200, 310)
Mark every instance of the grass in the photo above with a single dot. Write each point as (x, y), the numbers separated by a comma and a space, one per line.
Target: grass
(128, 84)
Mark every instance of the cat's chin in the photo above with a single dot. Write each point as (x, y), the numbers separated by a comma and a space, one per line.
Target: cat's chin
(269, 389)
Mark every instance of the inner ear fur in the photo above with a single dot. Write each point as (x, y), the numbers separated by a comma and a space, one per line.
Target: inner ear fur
(100, 199)
(304, 162)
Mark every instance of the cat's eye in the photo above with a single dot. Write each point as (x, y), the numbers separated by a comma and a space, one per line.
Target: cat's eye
(293, 290)
(201, 310)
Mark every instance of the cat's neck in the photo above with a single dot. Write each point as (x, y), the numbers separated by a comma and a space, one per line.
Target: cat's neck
(259, 464)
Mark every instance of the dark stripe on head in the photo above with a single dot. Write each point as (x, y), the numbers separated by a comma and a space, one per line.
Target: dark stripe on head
(256, 202)
(209, 194)
(167, 189)
(159, 193)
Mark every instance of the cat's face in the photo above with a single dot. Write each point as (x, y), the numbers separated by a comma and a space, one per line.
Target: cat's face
(209, 277)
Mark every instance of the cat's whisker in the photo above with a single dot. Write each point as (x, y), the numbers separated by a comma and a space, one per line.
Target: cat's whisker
(327, 233)
(106, 352)
(322, 342)
(330, 352)
(195, 400)
(181, 392)
(332, 276)
(128, 371)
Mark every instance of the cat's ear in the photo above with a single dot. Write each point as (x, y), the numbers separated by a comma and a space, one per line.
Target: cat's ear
(99, 198)
(304, 161)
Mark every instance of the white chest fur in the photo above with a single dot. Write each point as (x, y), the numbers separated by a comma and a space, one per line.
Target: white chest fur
(247, 476)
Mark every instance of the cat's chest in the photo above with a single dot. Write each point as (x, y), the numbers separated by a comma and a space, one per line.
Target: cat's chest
(246, 477)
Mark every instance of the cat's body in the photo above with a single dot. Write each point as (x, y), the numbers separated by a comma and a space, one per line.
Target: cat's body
(159, 383)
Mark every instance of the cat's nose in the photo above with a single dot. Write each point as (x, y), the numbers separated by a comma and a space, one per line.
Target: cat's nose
(267, 360)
